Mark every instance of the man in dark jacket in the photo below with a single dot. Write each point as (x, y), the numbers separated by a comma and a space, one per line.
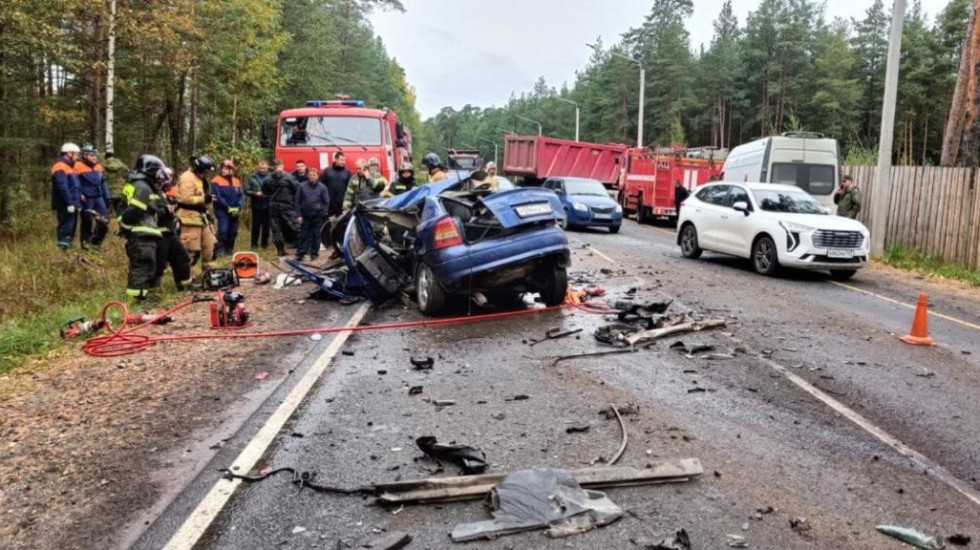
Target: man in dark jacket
(312, 205)
(280, 188)
(259, 203)
(848, 198)
(301, 175)
(680, 195)
(335, 178)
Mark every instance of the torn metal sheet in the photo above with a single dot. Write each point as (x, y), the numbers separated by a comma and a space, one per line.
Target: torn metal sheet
(469, 459)
(912, 536)
(543, 498)
(656, 334)
(692, 348)
(680, 541)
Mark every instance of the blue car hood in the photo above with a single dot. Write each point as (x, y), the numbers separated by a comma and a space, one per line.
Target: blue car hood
(416, 197)
(592, 200)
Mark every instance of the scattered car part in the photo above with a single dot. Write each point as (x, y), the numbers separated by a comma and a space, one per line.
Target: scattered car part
(469, 459)
(958, 539)
(393, 541)
(656, 334)
(577, 428)
(614, 334)
(415, 390)
(911, 536)
(422, 364)
(622, 431)
(691, 349)
(301, 479)
(449, 489)
(555, 334)
(542, 498)
(737, 541)
(680, 541)
(594, 354)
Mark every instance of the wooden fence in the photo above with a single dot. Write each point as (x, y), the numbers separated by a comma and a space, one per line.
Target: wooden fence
(933, 210)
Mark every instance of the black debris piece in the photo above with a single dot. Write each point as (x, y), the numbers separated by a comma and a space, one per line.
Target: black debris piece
(348, 353)
(470, 460)
(696, 390)
(680, 541)
(393, 541)
(542, 498)
(302, 480)
(521, 397)
(958, 539)
(649, 308)
(555, 334)
(415, 390)
(422, 364)
(593, 354)
(692, 348)
(577, 428)
(624, 410)
(800, 525)
(631, 291)
(614, 334)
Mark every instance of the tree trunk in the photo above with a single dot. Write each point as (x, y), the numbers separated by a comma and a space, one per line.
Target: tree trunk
(957, 111)
(6, 176)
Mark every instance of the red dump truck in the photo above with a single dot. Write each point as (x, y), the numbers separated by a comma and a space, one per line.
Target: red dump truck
(647, 183)
(536, 158)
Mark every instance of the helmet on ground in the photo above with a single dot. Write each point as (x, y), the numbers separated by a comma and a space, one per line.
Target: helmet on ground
(89, 150)
(431, 160)
(202, 164)
(148, 166)
(373, 162)
(70, 148)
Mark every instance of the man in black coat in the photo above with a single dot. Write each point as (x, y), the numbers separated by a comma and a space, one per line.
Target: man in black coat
(280, 188)
(335, 178)
(680, 195)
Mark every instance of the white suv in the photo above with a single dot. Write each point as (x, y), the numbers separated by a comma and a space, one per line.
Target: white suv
(773, 225)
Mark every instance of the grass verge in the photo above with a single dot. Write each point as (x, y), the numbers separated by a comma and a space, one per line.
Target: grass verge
(927, 264)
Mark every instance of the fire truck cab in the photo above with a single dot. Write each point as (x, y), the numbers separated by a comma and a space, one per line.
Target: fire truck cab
(646, 185)
(317, 132)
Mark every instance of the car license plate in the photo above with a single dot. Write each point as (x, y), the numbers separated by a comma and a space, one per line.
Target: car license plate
(602, 216)
(837, 253)
(536, 209)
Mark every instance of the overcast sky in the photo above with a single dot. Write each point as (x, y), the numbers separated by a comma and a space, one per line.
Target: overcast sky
(479, 51)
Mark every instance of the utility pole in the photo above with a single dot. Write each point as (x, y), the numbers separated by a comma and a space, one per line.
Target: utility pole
(110, 77)
(576, 113)
(532, 121)
(883, 185)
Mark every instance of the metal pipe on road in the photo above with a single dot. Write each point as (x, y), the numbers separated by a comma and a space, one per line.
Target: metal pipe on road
(883, 184)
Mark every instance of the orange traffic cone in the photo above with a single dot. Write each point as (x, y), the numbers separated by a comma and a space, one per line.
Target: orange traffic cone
(919, 335)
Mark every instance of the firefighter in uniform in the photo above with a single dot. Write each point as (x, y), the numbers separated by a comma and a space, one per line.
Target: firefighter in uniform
(95, 198)
(492, 180)
(193, 198)
(437, 172)
(65, 194)
(403, 183)
(115, 174)
(170, 250)
(366, 184)
(228, 202)
(138, 223)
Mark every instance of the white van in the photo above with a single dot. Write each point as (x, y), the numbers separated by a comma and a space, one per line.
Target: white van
(807, 160)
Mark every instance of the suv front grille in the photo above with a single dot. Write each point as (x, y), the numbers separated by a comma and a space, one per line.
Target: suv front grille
(838, 239)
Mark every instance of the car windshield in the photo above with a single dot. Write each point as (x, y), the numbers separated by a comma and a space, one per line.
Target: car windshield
(323, 131)
(585, 187)
(791, 202)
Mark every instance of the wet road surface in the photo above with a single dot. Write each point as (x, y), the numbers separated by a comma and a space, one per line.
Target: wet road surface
(763, 441)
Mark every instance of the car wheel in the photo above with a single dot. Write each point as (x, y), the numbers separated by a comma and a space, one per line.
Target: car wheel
(553, 294)
(689, 242)
(842, 274)
(614, 229)
(430, 295)
(765, 257)
(564, 222)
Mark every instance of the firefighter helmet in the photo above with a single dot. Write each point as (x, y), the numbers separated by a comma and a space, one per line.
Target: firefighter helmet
(431, 160)
(407, 167)
(202, 164)
(148, 166)
(70, 148)
(373, 162)
(89, 150)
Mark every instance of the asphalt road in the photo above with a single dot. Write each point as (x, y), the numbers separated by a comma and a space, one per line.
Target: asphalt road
(763, 440)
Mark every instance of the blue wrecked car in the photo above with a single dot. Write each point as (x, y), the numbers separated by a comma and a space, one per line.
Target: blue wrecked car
(456, 240)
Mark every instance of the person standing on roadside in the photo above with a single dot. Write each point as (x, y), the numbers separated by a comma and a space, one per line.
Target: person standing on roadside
(280, 188)
(260, 205)
(193, 199)
(229, 199)
(312, 205)
(301, 174)
(680, 195)
(404, 183)
(336, 177)
(366, 184)
(95, 199)
(848, 198)
(437, 172)
(66, 198)
(138, 223)
(115, 173)
(169, 249)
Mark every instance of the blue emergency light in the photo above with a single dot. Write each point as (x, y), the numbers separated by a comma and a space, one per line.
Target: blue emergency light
(336, 102)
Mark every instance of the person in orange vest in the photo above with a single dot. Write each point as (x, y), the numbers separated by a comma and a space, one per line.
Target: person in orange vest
(95, 198)
(193, 198)
(66, 198)
(228, 202)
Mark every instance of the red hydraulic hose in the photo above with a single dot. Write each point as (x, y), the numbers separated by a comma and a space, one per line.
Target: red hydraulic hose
(123, 341)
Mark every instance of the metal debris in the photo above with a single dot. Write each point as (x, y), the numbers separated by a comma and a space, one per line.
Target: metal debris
(911, 536)
(469, 459)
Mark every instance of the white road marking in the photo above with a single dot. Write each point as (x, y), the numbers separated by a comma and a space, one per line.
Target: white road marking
(600, 254)
(910, 306)
(934, 469)
(208, 509)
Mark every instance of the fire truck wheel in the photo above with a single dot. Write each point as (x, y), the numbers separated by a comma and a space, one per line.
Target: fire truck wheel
(689, 242)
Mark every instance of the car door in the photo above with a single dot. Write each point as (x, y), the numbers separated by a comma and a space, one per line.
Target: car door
(734, 227)
(707, 214)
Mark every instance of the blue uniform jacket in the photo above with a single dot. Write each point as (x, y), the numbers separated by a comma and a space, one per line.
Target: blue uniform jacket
(92, 181)
(227, 194)
(65, 190)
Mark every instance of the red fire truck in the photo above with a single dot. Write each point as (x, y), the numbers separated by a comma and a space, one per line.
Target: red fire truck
(646, 185)
(317, 132)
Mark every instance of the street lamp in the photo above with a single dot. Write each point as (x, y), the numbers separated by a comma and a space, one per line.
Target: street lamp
(643, 77)
(532, 121)
(576, 113)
